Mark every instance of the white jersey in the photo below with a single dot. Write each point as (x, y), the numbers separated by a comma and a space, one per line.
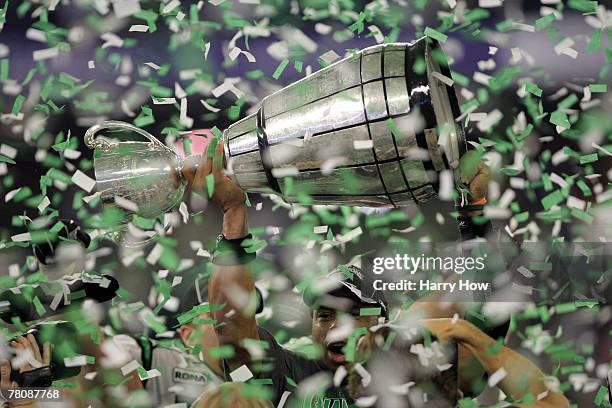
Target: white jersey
(184, 378)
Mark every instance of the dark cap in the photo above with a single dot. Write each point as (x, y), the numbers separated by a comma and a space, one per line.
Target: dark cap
(344, 282)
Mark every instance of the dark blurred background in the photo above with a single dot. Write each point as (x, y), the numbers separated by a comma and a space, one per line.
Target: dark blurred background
(97, 69)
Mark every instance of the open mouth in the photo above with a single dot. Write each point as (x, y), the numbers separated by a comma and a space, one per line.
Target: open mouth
(335, 353)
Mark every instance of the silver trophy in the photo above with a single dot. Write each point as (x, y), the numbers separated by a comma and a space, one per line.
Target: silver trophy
(141, 177)
(374, 129)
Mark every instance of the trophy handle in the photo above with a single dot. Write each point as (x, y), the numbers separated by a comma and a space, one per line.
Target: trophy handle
(103, 145)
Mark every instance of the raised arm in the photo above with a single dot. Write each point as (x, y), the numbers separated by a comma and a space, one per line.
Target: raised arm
(232, 283)
(521, 378)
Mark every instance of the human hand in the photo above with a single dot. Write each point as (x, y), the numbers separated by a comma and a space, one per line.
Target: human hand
(475, 174)
(226, 194)
(35, 360)
(459, 330)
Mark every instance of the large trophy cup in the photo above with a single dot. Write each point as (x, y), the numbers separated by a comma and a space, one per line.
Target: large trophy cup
(374, 129)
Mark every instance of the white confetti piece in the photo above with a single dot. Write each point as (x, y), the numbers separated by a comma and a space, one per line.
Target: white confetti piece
(284, 398)
(155, 254)
(281, 172)
(492, 50)
(490, 3)
(44, 54)
(350, 235)
(8, 151)
(129, 367)
(206, 49)
(330, 164)
(150, 374)
(378, 35)
(126, 204)
(152, 65)
(497, 213)
(496, 377)
(9, 196)
(241, 374)
(76, 361)
(363, 144)
(177, 280)
(565, 48)
(203, 253)
(125, 8)
(443, 78)
(451, 3)
(228, 85)
(168, 8)
(329, 57)
(559, 157)
(525, 272)
(83, 181)
(447, 185)
(36, 35)
(139, 28)
(111, 40)
(183, 118)
(323, 28)
(487, 65)
(491, 119)
(587, 94)
(322, 229)
(481, 78)
(91, 64)
(234, 53)
(209, 107)
(44, 204)
(163, 101)
(91, 375)
(23, 237)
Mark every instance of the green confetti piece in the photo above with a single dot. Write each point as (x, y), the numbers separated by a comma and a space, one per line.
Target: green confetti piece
(351, 345)
(552, 199)
(567, 102)
(223, 352)
(369, 311)
(565, 308)
(436, 35)
(598, 88)
(583, 5)
(584, 188)
(18, 104)
(6, 160)
(281, 67)
(560, 119)
(600, 398)
(533, 89)
(544, 22)
(581, 215)
(3, 12)
(595, 43)
(210, 185)
(509, 171)
(40, 309)
(460, 79)
(4, 69)
(298, 66)
(588, 158)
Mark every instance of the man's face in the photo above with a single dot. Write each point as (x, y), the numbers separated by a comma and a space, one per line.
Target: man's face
(325, 320)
